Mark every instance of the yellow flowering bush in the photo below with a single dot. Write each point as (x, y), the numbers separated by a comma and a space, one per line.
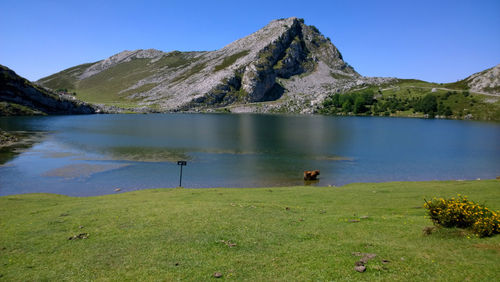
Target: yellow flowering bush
(463, 213)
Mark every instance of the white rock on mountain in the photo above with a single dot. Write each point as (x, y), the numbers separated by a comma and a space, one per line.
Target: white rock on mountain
(287, 64)
(487, 81)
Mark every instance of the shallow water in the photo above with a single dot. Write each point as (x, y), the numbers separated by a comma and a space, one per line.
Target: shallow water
(94, 154)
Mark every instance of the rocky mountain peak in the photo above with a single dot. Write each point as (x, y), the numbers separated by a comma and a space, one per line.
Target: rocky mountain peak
(287, 63)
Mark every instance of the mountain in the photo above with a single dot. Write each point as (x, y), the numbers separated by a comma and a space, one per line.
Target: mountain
(18, 96)
(487, 81)
(287, 66)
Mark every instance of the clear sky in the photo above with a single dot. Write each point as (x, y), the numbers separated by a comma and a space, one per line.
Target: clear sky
(433, 40)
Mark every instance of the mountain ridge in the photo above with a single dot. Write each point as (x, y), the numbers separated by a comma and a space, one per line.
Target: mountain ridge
(286, 62)
(284, 67)
(18, 96)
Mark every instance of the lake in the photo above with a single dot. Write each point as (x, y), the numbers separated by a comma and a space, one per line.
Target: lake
(95, 154)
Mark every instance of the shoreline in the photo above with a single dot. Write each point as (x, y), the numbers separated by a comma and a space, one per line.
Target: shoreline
(114, 191)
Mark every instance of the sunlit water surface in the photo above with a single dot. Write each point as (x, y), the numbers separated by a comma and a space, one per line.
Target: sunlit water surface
(95, 154)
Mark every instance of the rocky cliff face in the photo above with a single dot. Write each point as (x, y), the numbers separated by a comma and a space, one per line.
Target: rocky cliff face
(286, 66)
(487, 81)
(18, 96)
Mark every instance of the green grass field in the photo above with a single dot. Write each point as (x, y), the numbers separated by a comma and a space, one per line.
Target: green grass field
(297, 233)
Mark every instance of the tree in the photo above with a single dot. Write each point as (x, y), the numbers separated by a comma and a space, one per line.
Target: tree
(368, 97)
(428, 104)
(347, 106)
(359, 105)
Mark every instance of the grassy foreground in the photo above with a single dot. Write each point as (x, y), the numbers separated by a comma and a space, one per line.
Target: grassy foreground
(299, 233)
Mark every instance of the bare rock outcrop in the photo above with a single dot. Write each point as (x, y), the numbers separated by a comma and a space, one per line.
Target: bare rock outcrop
(487, 81)
(286, 66)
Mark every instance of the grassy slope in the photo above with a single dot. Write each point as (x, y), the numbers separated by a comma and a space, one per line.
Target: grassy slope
(13, 109)
(105, 87)
(167, 234)
(64, 79)
(480, 106)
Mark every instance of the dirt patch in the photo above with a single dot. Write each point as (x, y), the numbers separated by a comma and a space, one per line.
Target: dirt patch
(428, 230)
(359, 265)
(488, 247)
(365, 257)
(228, 243)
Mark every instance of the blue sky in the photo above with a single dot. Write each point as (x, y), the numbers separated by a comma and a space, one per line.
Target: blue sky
(440, 41)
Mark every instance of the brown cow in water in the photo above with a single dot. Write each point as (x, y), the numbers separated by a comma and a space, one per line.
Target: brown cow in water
(311, 174)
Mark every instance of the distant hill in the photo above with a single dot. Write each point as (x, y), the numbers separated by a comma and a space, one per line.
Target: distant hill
(18, 96)
(487, 81)
(414, 98)
(287, 66)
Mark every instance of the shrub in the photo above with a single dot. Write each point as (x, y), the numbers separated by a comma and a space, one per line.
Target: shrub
(315, 29)
(463, 213)
(428, 104)
(359, 105)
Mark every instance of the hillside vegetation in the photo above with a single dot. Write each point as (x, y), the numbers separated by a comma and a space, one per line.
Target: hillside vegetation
(414, 98)
(264, 234)
(113, 86)
(18, 96)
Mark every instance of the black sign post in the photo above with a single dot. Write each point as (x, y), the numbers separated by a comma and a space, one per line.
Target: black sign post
(181, 163)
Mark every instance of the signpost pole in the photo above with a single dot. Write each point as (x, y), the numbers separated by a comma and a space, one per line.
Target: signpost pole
(180, 179)
(181, 163)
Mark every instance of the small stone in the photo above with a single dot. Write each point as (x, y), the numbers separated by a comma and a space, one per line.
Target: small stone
(359, 263)
(217, 275)
(428, 230)
(81, 226)
(369, 256)
(365, 259)
(360, 268)
(364, 217)
(287, 208)
(118, 189)
(385, 261)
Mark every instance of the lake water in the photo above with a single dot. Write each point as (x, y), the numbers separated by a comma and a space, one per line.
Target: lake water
(95, 154)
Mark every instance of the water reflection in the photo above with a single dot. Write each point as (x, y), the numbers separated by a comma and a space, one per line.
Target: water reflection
(25, 141)
(101, 152)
